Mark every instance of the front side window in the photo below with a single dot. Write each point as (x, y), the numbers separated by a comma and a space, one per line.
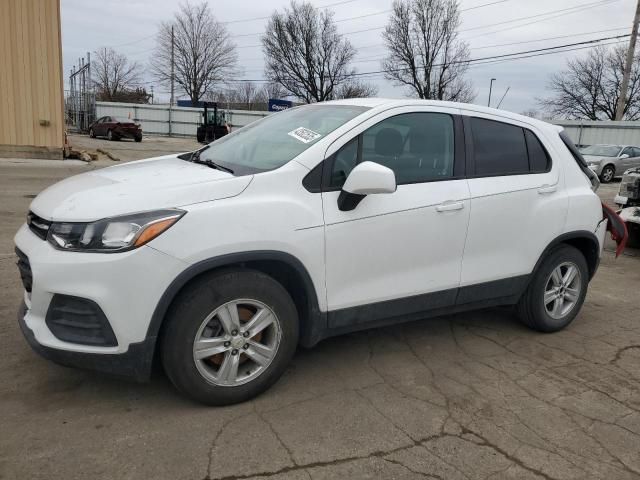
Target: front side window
(278, 138)
(627, 151)
(418, 147)
(499, 148)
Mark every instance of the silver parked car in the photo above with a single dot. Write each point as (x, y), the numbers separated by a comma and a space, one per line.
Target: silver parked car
(611, 161)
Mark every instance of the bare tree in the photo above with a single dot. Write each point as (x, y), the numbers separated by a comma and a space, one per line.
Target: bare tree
(305, 53)
(113, 74)
(272, 90)
(204, 51)
(589, 88)
(355, 89)
(425, 53)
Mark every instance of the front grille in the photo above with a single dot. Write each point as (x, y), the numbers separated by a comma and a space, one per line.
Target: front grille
(38, 225)
(25, 270)
(79, 320)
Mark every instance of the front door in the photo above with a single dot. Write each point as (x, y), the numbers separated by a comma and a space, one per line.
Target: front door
(398, 253)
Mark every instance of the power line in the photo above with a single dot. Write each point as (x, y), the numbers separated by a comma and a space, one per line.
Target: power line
(379, 13)
(600, 2)
(500, 58)
(380, 57)
(584, 7)
(269, 16)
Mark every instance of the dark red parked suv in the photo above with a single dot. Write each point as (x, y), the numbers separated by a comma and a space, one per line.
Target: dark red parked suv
(115, 128)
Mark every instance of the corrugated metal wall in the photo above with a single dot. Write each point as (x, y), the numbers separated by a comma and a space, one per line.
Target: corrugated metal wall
(31, 89)
(587, 132)
(155, 118)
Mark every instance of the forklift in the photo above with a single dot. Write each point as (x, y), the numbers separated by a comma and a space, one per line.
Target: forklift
(214, 124)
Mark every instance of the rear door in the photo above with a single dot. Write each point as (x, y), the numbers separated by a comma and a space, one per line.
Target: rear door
(398, 253)
(518, 205)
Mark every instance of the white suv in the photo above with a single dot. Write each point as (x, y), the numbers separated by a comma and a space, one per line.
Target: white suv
(312, 222)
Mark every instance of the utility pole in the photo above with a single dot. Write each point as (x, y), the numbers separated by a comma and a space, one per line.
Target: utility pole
(173, 43)
(491, 87)
(622, 101)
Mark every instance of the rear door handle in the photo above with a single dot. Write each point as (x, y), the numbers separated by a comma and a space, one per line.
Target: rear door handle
(449, 206)
(545, 189)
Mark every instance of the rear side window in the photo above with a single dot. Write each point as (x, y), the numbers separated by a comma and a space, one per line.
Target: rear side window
(539, 160)
(499, 148)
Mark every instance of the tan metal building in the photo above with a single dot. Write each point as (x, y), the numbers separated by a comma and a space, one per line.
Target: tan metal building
(31, 88)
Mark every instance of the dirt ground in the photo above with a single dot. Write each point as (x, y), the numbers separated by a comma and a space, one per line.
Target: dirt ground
(470, 396)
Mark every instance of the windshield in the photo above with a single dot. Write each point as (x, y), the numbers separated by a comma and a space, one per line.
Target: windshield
(601, 150)
(278, 138)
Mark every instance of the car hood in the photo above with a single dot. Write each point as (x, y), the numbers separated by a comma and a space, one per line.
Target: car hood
(594, 158)
(156, 183)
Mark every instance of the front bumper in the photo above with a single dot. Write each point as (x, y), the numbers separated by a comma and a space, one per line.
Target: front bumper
(134, 364)
(126, 286)
(597, 169)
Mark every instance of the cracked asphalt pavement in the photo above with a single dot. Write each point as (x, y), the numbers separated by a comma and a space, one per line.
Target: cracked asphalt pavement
(468, 396)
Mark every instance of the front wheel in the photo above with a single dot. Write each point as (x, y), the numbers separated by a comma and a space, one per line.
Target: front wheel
(229, 336)
(556, 291)
(608, 173)
(110, 135)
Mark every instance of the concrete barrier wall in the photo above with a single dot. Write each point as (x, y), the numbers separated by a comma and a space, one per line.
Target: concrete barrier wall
(184, 121)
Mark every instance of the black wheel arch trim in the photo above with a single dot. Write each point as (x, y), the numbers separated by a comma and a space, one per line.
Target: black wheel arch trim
(314, 326)
(572, 236)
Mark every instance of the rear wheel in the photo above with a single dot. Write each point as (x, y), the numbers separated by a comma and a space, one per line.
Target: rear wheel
(92, 133)
(556, 292)
(229, 336)
(608, 174)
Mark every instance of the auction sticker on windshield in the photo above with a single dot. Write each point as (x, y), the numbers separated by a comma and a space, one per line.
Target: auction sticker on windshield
(304, 135)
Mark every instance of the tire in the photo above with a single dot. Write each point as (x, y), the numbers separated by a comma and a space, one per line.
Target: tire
(197, 313)
(110, 136)
(541, 316)
(138, 138)
(91, 133)
(608, 174)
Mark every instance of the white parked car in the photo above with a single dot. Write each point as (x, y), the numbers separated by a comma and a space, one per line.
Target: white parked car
(611, 161)
(309, 223)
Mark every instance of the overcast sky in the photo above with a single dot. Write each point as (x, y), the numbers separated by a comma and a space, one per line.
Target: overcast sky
(129, 26)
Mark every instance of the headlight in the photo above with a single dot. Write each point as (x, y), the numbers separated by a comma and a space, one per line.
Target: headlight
(114, 234)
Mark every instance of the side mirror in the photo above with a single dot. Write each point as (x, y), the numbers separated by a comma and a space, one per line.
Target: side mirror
(367, 178)
(624, 155)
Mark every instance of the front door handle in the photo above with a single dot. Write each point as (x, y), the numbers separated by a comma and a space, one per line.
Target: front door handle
(545, 189)
(449, 206)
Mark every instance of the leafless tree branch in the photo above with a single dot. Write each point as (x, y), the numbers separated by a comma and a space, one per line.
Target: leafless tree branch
(205, 55)
(305, 53)
(424, 51)
(113, 74)
(589, 87)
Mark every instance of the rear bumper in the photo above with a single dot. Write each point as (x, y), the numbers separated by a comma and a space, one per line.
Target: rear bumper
(134, 364)
(127, 133)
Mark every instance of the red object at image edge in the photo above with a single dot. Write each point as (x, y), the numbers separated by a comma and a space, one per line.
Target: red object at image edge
(617, 228)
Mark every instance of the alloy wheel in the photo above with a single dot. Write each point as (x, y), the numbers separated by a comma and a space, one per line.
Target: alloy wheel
(236, 342)
(562, 290)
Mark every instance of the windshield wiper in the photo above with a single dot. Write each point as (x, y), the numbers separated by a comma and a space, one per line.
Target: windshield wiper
(195, 158)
